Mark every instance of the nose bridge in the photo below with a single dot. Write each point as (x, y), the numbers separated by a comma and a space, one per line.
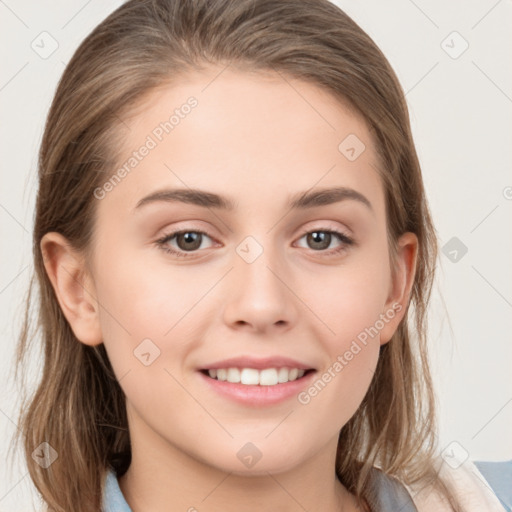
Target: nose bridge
(258, 294)
(257, 265)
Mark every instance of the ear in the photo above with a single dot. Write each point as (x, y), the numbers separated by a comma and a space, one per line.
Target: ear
(73, 287)
(401, 285)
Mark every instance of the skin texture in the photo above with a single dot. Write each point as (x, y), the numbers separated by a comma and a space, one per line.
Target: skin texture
(257, 138)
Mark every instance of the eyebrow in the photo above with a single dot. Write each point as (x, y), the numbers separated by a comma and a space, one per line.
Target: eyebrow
(300, 201)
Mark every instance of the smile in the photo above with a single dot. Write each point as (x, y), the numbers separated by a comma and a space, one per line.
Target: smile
(254, 377)
(257, 388)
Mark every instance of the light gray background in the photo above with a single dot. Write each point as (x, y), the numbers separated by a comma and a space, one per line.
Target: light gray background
(461, 115)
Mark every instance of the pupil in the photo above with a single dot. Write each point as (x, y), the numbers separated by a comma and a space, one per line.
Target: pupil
(191, 238)
(320, 237)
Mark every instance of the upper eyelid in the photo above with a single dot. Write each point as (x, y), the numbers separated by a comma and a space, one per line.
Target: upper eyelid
(173, 233)
(346, 230)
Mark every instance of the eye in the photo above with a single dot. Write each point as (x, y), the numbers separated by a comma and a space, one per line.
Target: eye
(320, 239)
(186, 240)
(190, 241)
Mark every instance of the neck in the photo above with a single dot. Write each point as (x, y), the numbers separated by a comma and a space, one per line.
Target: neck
(161, 474)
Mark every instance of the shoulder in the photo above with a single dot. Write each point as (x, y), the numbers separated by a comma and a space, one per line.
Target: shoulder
(499, 477)
(470, 488)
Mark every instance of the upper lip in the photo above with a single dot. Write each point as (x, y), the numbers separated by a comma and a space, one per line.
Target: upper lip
(258, 363)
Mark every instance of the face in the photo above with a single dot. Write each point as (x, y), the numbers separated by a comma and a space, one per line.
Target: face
(265, 265)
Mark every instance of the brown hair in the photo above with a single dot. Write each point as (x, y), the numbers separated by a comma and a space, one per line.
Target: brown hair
(79, 407)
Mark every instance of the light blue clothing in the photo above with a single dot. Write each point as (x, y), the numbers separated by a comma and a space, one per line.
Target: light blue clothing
(499, 476)
(386, 493)
(113, 499)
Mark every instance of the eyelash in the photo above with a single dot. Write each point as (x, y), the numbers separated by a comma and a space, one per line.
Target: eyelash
(162, 243)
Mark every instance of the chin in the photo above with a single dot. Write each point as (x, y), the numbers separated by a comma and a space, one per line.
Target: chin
(243, 466)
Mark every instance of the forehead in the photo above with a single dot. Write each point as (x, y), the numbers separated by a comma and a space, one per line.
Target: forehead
(249, 133)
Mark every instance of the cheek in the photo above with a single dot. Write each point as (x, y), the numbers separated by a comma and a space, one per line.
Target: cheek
(353, 351)
(145, 300)
(144, 311)
(147, 320)
(349, 298)
(349, 303)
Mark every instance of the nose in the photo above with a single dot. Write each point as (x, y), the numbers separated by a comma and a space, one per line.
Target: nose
(260, 296)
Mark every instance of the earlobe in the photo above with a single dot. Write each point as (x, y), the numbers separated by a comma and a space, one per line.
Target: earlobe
(401, 285)
(73, 287)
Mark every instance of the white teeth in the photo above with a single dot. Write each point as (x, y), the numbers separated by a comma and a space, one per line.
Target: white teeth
(253, 377)
(283, 375)
(268, 377)
(233, 375)
(249, 376)
(293, 374)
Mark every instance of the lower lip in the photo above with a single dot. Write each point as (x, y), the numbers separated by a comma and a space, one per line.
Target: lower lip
(256, 395)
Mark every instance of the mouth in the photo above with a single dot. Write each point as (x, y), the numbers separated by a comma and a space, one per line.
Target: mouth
(257, 387)
(256, 377)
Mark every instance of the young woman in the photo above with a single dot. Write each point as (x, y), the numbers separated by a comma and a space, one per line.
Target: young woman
(231, 226)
